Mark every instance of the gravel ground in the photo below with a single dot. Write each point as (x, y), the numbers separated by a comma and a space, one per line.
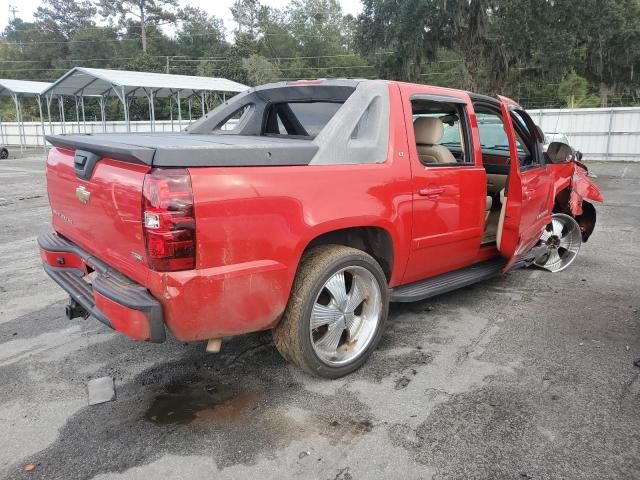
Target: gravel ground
(527, 376)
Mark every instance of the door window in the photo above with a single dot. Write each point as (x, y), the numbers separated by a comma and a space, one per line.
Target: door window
(441, 133)
(524, 127)
(493, 135)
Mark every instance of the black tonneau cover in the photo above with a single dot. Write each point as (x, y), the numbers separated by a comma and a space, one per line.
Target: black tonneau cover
(192, 150)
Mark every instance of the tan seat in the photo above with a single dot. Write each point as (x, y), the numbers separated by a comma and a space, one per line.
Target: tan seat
(496, 182)
(428, 132)
(503, 211)
(487, 208)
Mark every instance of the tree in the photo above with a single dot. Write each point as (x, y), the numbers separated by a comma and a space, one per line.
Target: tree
(65, 16)
(317, 26)
(608, 38)
(247, 15)
(146, 12)
(200, 34)
(32, 52)
(574, 91)
(99, 43)
(259, 70)
(400, 37)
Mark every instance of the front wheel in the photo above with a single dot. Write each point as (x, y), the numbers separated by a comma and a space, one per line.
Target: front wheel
(563, 240)
(336, 312)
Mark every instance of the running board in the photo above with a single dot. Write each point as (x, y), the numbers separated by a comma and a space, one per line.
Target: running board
(447, 282)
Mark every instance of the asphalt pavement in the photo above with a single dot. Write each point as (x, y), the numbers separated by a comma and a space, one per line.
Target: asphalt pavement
(526, 376)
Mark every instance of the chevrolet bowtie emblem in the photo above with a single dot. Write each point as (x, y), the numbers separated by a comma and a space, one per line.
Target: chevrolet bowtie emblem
(83, 194)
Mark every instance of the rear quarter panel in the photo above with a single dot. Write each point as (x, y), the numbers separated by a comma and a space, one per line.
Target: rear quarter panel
(254, 223)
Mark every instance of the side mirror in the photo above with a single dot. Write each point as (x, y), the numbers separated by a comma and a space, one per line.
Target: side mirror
(559, 152)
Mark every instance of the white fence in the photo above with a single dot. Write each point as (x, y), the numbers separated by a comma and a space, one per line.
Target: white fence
(10, 132)
(600, 133)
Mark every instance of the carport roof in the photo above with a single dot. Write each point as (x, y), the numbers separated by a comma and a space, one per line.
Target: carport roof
(22, 87)
(98, 81)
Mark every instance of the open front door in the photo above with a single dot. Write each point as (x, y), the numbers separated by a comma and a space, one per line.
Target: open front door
(528, 200)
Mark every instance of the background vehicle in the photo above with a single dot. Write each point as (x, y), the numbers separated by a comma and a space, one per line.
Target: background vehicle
(306, 207)
(550, 137)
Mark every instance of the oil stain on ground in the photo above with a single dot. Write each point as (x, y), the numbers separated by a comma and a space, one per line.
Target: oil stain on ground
(199, 404)
(232, 407)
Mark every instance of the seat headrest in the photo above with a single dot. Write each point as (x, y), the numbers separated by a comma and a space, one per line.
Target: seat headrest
(428, 130)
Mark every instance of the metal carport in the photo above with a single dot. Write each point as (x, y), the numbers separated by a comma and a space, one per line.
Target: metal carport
(17, 90)
(82, 82)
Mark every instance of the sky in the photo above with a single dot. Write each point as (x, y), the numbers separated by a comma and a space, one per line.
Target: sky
(219, 8)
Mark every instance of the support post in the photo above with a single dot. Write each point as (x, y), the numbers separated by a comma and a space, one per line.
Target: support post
(608, 153)
(189, 102)
(153, 112)
(84, 120)
(77, 113)
(61, 107)
(16, 100)
(49, 98)
(171, 111)
(202, 102)
(102, 115)
(179, 111)
(123, 98)
(44, 142)
(24, 130)
(127, 105)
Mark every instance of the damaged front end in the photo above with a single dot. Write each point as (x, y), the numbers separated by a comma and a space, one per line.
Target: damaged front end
(575, 199)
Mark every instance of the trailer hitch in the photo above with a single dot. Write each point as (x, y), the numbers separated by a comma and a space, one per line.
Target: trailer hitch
(74, 310)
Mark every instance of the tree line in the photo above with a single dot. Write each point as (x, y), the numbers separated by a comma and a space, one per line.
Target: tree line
(544, 53)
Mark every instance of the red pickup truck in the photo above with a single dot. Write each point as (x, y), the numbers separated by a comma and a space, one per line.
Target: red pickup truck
(305, 208)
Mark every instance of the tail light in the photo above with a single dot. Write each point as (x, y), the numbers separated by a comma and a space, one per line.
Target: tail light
(168, 220)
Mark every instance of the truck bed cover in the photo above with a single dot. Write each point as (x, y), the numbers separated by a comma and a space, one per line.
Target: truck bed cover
(192, 150)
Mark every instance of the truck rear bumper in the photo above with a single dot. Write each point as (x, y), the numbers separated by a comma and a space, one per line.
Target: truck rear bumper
(107, 295)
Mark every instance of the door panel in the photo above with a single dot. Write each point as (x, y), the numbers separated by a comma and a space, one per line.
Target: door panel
(529, 192)
(448, 205)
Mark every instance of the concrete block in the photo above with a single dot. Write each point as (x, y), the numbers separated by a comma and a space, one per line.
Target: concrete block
(101, 390)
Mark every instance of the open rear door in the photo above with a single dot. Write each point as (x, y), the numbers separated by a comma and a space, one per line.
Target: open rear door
(526, 209)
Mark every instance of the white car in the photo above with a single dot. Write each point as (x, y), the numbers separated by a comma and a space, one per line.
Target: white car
(554, 137)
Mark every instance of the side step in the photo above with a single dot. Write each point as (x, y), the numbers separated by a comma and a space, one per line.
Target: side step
(447, 282)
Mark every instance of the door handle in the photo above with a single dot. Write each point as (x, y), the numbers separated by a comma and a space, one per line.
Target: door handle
(431, 192)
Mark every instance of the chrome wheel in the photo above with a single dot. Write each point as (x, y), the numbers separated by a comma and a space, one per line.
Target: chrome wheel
(345, 315)
(563, 239)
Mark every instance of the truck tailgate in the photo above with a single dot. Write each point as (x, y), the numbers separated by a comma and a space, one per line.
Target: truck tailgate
(103, 214)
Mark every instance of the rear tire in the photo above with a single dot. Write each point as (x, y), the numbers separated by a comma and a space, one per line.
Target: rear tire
(336, 312)
(4, 153)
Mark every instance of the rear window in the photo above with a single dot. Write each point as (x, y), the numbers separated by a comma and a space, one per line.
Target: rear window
(305, 119)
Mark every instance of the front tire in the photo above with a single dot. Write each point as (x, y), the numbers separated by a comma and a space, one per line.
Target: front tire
(336, 313)
(563, 238)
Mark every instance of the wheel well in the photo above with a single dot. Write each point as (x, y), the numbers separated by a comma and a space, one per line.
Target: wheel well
(587, 220)
(373, 240)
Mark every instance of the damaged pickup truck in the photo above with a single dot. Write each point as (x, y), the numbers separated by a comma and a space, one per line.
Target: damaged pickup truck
(305, 208)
